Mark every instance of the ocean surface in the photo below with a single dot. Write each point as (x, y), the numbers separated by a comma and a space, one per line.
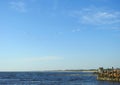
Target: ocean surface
(51, 78)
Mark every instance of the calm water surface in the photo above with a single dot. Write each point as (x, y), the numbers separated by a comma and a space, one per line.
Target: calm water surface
(51, 78)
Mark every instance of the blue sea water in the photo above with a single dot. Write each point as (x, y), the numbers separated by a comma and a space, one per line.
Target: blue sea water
(51, 78)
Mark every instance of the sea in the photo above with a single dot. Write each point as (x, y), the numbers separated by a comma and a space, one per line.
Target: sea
(51, 78)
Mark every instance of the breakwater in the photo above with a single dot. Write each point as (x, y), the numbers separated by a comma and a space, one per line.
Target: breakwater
(109, 74)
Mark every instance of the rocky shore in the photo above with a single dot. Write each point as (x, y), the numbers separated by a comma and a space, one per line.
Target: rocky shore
(109, 74)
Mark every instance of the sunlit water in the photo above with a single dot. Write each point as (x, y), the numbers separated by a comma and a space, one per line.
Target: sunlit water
(51, 78)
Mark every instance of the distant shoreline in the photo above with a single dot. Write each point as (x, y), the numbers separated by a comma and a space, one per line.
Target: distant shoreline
(93, 71)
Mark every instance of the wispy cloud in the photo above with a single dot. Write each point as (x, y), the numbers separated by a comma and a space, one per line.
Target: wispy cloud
(18, 5)
(96, 16)
(76, 30)
(41, 59)
(22, 60)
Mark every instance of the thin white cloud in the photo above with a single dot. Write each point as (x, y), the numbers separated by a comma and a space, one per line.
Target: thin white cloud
(117, 28)
(18, 5)
(23, 60)
(41, 59)
(76, 30)
(96, 16)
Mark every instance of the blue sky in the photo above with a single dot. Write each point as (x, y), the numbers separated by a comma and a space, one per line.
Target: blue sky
(59, 34)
